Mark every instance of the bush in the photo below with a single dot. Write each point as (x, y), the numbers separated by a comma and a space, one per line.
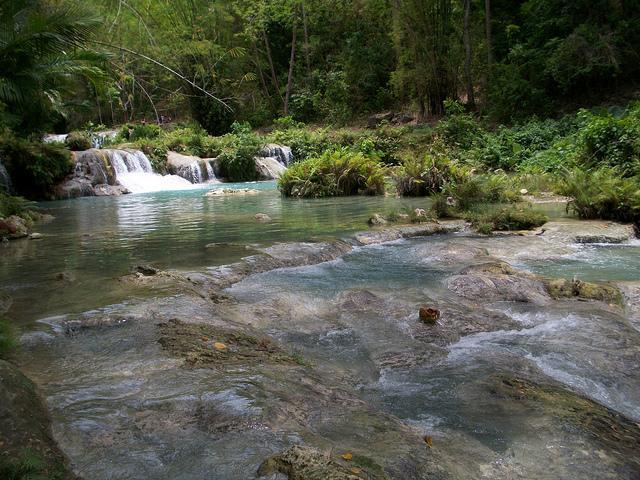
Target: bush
(459, 129)
(335, 173)
(78, 141)
(472, 190)
(237, 160)
(304, 143)
(507, 219)
(132, 132)
(10, 205)
(603, 193)
(34, 167)
(420, 177)
(610, 141)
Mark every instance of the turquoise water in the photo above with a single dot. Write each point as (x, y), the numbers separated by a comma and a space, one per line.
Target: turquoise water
(94, 240)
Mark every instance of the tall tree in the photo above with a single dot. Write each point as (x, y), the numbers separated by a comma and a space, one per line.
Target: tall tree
(466, 5)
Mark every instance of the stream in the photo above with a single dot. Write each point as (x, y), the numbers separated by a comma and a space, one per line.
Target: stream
(323, 349)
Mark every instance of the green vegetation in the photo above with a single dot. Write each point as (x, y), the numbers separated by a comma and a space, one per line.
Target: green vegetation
(10, 205)
(516, 217)
(78, 141)
(7, 339)
(30, 466)
(34, 167)
(334, 173)
(604, 193)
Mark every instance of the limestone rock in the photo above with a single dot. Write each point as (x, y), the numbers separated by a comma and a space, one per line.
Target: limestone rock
(377, 219)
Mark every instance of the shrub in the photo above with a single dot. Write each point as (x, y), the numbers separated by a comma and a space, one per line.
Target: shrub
(459, 129)
(610, 141)
(603, 193)
(78, 141)
(470, 190)
(132, 132)
(237, 160)
(425, 176)
(34, 167)
(10, 205)
(304, 143)
(517, 217)
(335, 173)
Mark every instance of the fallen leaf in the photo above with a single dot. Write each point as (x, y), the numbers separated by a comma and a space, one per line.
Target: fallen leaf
(220, 346)
(356, 470)
(347, 456)
(428, 440)
(205, 339)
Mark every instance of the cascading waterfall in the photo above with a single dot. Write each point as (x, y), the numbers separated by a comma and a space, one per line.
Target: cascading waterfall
(5, 179)
(133, 171)
(281, 153)
(197, 171)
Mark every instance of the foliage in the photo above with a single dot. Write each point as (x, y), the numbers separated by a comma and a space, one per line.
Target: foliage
(237, 162)
(602, 193)
(132, 132)
(334, 173)
(425, 176)
(78, 141)
(513, 218)
(10, 205)
(30, 466)
(472, 190)
(41, 53)
(34, 167)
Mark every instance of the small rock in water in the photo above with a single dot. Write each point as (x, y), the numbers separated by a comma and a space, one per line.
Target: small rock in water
(420, 213)
(524, 191)
(262, 217)
(65, 277)
(36, 236)
(377, 219)
(429, 315)
(146, 270)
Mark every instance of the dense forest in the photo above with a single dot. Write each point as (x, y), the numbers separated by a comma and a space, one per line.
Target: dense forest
(109, 62)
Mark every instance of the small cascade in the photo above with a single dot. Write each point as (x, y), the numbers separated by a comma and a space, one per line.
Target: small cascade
(211, 176)
(133, 171)
(194, 169)
(5, 179)
(281, 153)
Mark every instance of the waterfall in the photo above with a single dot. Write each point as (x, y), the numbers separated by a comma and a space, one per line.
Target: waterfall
(211, 176)
(98, 139)
(281, 153)
(269, 168)
(133, 171)
(194, 169)
(5, 179)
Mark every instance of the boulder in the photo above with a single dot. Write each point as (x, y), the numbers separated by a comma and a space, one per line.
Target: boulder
(14, 226)
(588, 231)
(146, 270)
(563, 288)
(262, 217)
(269, 168)
(25, 427)
(377, 219)
(374, 120)
(429, 315)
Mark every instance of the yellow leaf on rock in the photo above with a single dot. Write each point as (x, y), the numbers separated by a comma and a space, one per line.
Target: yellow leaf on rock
(356, 470)
(347, 456)
(428, 440)
(220, 346)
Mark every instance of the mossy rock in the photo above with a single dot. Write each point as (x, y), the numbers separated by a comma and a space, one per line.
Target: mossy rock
(27, 447)
(563, 288)
(574, 412)
(210, 346)
(307, 463)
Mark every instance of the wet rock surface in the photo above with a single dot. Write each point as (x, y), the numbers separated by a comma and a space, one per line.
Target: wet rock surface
(309, 360)
(25, 429)
(396, 233)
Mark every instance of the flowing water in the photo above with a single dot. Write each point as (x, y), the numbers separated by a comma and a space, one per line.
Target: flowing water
(503, 389)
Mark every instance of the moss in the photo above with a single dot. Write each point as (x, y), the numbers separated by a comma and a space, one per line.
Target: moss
(563, 288)
(7, 338)
(207, 345)
(77, 141)
(30, 465)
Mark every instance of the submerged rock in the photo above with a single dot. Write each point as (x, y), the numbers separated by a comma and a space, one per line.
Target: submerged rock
(14, 227)
(307, 463)
(498, 281)
(25, 430)
(222, 192)
(262, 217)
(396, 233)
(208, 345)
(146, 270)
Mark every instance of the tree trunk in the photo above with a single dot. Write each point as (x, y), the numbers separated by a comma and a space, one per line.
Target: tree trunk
(291, 65)
(274, 78)
(487, 20)
(471, 101)
(306, 40)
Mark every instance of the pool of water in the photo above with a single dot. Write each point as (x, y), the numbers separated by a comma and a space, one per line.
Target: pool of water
(93, 241)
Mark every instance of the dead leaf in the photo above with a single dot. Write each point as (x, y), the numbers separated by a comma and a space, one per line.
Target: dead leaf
(428, 440)
(205, 339)
(219, 346)
(347, 456)
(356, 470)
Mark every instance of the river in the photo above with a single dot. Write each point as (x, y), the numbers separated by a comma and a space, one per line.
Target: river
(501, 389)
